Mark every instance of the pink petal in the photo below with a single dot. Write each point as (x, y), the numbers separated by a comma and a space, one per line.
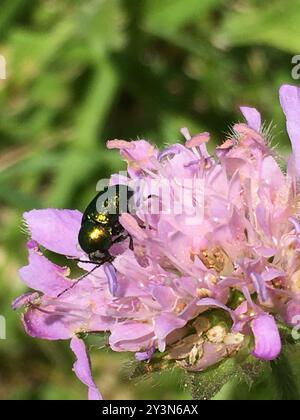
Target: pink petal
(175, 149)
(56, 230)
(44, 276)
(260, 286)
(164, 325)
(46, 326)
(267, 338)
(145, 355)
(130, 336)
(78, 310)
(164, 296)
(213, 303)
(212, 354)
(293, 312)
(82, 368)
(249, 133)
(252, 117)
(139, 154)
(290, 102)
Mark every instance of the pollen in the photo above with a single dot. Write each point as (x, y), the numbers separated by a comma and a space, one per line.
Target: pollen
(216, 334)
(214, 259)
(180, 307)
(204, 293)
(234, 339)
(295, 282)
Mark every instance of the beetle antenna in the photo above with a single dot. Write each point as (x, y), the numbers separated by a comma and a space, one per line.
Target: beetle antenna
(79, 280)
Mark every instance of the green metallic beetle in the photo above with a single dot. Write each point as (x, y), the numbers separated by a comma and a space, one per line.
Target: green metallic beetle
(100, 227)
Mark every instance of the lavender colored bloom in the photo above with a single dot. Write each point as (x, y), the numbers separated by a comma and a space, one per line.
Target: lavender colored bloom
(82, 368)
(243, 238)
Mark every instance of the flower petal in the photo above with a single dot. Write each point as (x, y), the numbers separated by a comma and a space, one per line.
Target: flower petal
(213, 303)
(260, 286)
(78, 310)
(112, 279)
(267, 337)
(39, 324)
(252, 117)
(41, 274)
(175, 149)
(82, 368)
(137, 153)
(130, 336)
(164, 296)
(164, 325)
(290, 102)
(56, 230)
(145, 355)
(293, 312)
(212, 354)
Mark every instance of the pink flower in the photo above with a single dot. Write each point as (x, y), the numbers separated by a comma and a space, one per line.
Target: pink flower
(205, 228)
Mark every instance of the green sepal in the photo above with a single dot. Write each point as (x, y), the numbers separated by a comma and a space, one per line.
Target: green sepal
(206, 385)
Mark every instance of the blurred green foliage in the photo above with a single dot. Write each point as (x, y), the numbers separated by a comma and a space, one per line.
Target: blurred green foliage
(80, 72)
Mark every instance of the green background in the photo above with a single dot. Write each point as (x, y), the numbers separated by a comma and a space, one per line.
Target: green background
(80, 72)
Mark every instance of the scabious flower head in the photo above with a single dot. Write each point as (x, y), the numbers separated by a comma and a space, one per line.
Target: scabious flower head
(214, 267)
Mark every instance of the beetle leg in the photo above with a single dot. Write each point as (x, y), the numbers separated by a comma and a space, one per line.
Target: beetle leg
(84, 262)
(120, 238)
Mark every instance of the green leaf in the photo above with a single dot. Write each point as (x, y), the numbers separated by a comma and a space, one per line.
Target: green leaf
(275, 24)
(90, 121)
(9, 10)
(33, 51)
(206, 385)
(171, 15)
(19, 199)
(106, 23)
(285, 373)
